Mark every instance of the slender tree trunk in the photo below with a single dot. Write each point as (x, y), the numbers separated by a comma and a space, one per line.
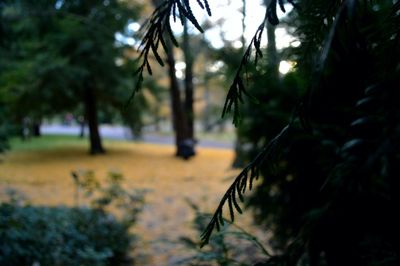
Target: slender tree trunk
(272, 54)
(26, 128)
(207, 112)
(207, 108)
(189, 86)
(91, 118)
(238, 161)
(36, 129)
(242, 38)
(184, 144)
(179, 119)
(82, 123)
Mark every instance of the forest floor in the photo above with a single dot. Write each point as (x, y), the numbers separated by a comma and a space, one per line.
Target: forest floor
(41, 170)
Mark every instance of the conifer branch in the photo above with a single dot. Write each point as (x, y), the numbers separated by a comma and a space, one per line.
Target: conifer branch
(245, 179)
(158, 27)
(237, 89)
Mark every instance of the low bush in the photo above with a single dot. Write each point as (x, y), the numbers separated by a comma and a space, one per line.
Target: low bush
(60, 236)
(38, 235)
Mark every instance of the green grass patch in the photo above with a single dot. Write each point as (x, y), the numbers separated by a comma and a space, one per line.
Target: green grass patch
(226, 136)
(47, 142)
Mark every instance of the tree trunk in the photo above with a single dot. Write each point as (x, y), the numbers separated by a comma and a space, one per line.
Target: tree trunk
(91, 118)
(184, 147)
(82, 123)
(272, 54)
(189, 86)
(242, 38)
(184, 144)
(36, 128)
(207, 112)
(26, 128)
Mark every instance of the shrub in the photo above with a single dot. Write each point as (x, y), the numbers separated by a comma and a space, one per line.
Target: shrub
(60, 236)
(38, 235)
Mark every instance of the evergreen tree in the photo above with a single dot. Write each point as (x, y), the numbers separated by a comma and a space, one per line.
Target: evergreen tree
(329, 178)
(62, 55)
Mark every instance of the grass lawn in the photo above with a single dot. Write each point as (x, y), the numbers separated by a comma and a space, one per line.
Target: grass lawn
(41, 168)
(47, 142)
(227, 136)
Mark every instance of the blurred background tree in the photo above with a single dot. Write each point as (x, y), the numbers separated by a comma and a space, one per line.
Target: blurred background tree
(63, 55)
(53, 51)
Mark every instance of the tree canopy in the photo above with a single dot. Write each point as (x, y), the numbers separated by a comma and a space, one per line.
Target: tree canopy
(62, 55)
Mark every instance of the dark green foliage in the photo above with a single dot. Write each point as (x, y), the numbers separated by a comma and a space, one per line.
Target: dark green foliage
(72, 236)
(331, 198)
(60, 56)
(60, 236)
(329, 188)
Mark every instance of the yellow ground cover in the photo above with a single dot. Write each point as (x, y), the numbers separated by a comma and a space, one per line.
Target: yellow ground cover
(44, 177)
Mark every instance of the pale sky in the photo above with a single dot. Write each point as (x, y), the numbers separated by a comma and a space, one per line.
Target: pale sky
(229, 11)
(227, 18)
